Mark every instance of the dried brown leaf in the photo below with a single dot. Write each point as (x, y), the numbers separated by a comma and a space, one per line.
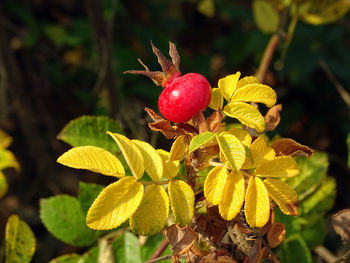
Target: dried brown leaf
(218, 257)
(214, 121)
(255, 254)
(186, 128)
(341, 224)
(164, 127)
(273, 117)
(153, 114)
(276, 234)
(286, 146)
(181, 239)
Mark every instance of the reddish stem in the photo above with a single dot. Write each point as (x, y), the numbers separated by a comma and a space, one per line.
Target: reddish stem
(200, 122)
(160, 249)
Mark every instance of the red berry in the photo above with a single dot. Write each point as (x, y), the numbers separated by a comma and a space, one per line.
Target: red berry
(184, 96)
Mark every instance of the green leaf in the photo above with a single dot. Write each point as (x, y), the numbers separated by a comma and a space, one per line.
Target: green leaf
(266, 16)
(294, 249)
(91, 130)
(314, 234)
(70, 258)
(200, 140)
(292, 225)
(63, 217)
(88, 192)
(127, 249)
(91, 256)
(20, 241)
(322, 199)
(312, 171)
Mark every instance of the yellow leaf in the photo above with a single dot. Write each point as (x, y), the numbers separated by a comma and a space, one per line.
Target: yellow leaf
(115, 204)
(3, 185)
(283, 195)
(256, 93)
(227, 85)
(233, 196)
(179, 148)
(247, 80)
(152, 160)
(242, 135)
(153, 212)
(246, 114)
(5, 140)
(7, 160)
(232, 149)
(257, 203)
(281, 166)
(214, 184)
(260, 153)
(171, 168)
(216, 99)
(94, 159)
(131, 153)
(182, 201)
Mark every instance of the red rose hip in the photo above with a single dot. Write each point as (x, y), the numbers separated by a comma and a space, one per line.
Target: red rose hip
(184, 96)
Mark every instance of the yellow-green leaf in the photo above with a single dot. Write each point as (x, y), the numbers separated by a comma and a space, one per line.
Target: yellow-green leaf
(179, 148)
(233, 196)
(283, 195)
(324, 12)
(216, 99)
(266, 16)
(257, 203)
(7, 160)
(246, 80)
(3, 185)
(182, 201)
(200, 140)
(94, 159)
(20, 241)
(242, 135)
(246, 114)
(206, 7)
(171, 168)
(260, 153)
(214, 184)
(227, 85)
(131, 153)
(5, 140)
(153, 212)
(256, 93)
(115, 204)
(281, 166)
(232, 149)
(152, 160)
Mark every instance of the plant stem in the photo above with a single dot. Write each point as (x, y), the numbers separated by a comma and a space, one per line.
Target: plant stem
(200, 121)
(267, 57)
(159, 259)
(159, 250)
(158, 183)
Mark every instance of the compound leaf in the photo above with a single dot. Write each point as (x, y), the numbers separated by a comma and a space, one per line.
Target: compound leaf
(182, 201)
(131, 153)
(20, 241)
(281, 166)
(115, 204)
(94, 159)
(152, 214)
(232, 149)
(152, 160)
(246, 114)
(257, 203)
(233, 196)
(214, 184)
(256, 93)
(91, 130)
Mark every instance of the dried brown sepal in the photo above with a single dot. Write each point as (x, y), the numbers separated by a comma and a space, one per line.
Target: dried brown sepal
(153, 114)
(175, 58)
(214, 121)
(164, 127)
(286, 146)
(276, 234)
(255, 254)
(273, 117)
(168, 67)
(188, 128)
(157, 77)
(180, 238)
(341, 224)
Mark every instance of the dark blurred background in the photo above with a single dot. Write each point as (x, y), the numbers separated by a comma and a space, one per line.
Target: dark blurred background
(61, 59)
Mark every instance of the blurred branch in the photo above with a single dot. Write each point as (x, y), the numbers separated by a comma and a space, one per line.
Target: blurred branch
(339, 87)
(103, 32)
(159, 250)
(325, 254)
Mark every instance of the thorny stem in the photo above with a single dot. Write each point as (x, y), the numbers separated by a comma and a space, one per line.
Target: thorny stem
(159, 250)
(200, 121)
